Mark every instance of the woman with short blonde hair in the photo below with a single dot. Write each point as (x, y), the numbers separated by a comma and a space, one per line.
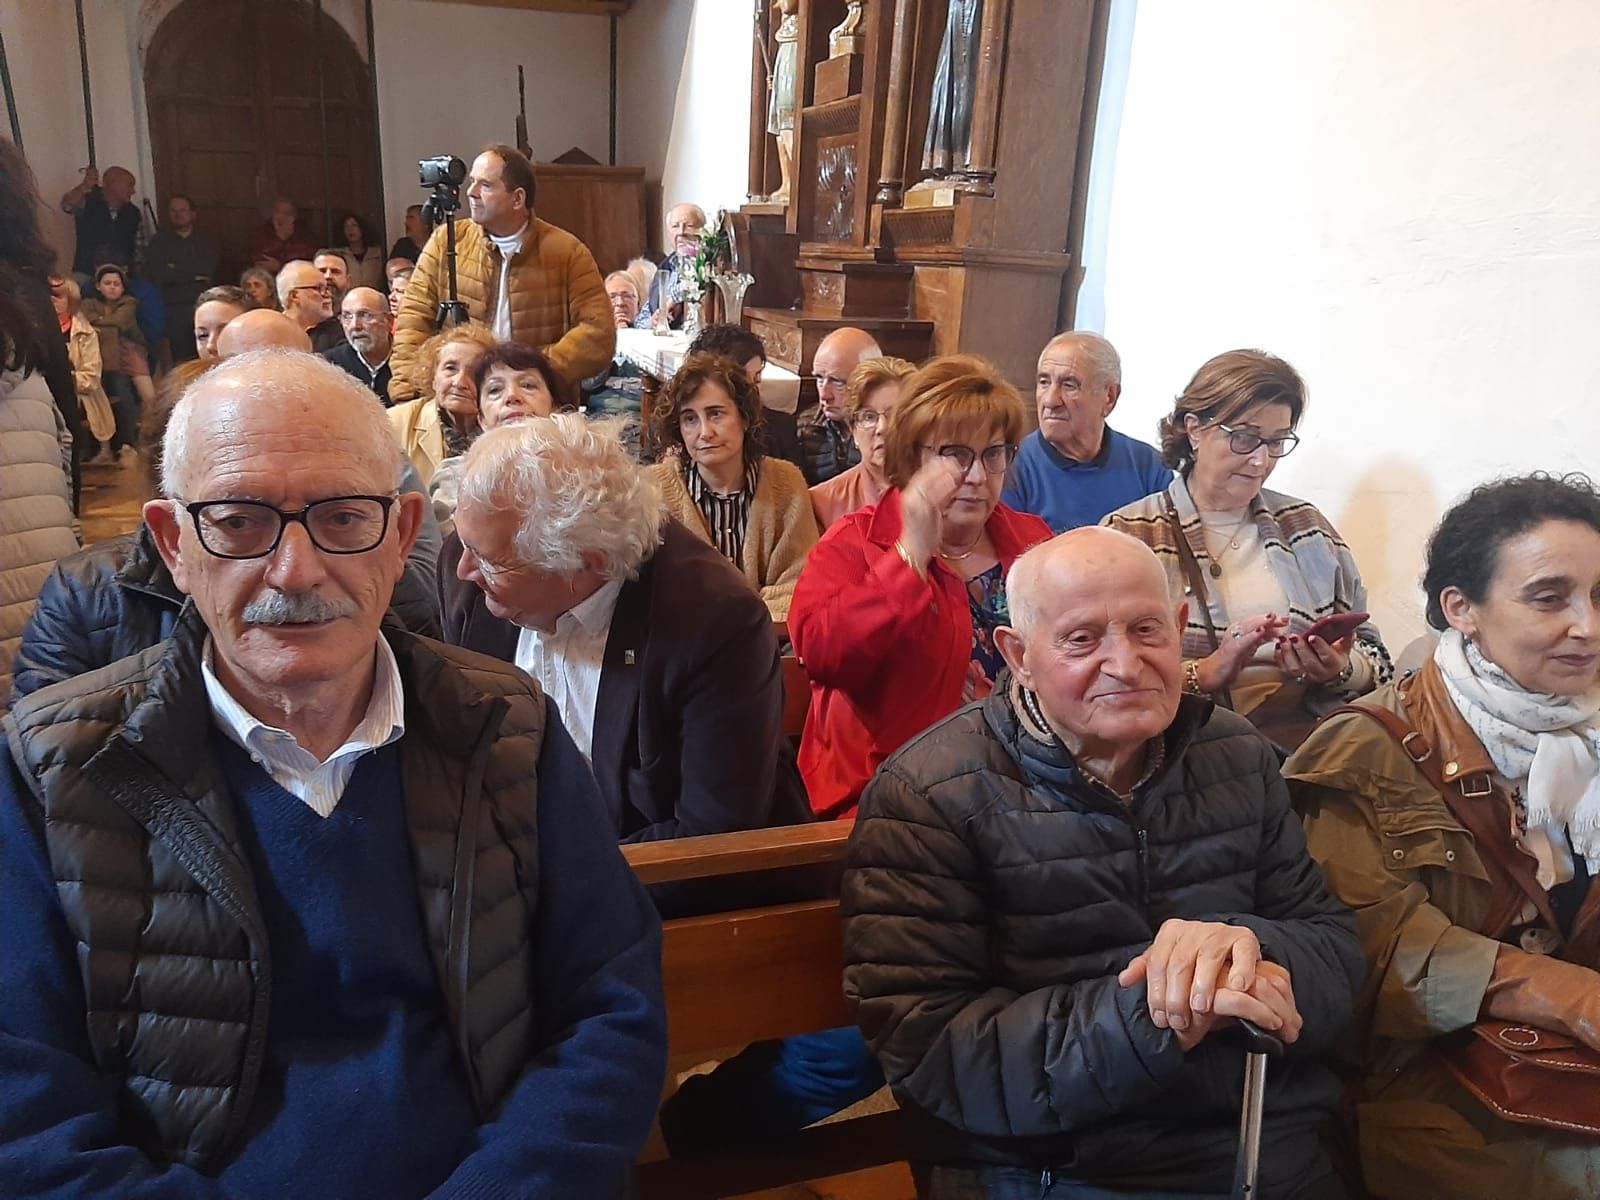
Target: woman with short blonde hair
(896, 609)
(870, 396)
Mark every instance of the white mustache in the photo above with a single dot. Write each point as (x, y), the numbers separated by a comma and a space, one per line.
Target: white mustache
(273, 607)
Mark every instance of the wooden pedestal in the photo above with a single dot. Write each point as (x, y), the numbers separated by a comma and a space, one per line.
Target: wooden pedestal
(837, 78)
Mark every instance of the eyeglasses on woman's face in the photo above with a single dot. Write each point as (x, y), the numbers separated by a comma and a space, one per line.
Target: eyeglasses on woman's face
(997, 459)
(1245, 441)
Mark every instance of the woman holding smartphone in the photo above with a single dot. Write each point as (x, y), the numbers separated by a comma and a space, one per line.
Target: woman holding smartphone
(1273, 591)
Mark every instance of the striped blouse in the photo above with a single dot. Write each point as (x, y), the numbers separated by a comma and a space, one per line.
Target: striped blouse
(727, 516)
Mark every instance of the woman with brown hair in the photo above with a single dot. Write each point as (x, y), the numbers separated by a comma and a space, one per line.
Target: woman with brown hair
(895, 612)
(716, 480)
(1259, 569)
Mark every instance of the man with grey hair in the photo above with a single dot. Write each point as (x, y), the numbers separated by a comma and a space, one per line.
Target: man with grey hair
(1059, 900)
(661, 659)
(663, 306)
(292, 902)
(304, 298)
(364, 315)
(1074, 469)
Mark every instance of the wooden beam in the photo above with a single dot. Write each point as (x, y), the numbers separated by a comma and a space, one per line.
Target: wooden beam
(594, 8)
(674, 859)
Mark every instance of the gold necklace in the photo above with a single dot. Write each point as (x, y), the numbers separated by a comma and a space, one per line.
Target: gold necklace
(967, 553)
(1232, 538)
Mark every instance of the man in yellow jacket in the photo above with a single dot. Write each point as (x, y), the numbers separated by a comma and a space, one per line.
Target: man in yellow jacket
(527, 280)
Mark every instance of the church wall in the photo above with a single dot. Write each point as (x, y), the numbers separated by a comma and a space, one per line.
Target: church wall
(447, 82)
(1402, 198)
(683, 100)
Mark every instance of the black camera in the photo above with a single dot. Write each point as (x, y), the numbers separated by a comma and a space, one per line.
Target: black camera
(444, 169)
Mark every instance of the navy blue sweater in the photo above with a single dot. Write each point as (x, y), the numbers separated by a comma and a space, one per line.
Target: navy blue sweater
(362, 1093)
(1068, 494)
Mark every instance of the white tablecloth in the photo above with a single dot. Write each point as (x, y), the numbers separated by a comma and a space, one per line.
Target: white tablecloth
(662, 354)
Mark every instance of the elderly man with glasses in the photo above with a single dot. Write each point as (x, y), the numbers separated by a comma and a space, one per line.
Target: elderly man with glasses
(294, 902)
(364, 313)
(825, 435)
(304, 298)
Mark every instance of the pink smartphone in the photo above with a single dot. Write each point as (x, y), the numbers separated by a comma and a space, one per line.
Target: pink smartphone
(1337, 625)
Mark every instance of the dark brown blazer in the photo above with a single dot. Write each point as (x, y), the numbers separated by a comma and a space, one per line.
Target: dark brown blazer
(688, 734)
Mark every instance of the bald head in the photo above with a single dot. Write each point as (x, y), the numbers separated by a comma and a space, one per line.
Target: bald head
(251, 399)
(1079, 560)
(840, 353)
(1096, 637)
(261, 329)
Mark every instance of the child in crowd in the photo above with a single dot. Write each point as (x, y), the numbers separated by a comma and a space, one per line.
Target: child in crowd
(125, 364)
(83, 352)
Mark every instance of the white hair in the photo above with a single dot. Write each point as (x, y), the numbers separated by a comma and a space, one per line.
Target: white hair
(279, 379)
(1025, 593)
(577, 489)
(284, 281)
(1101, 355)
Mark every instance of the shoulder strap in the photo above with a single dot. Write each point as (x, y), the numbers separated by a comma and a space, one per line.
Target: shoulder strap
(1512, 871)
(1195, 579)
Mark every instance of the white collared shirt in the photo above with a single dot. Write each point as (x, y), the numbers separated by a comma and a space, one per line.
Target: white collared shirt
(294, 768)
(567, 661)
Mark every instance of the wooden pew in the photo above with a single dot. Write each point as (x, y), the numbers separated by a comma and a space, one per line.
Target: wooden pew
(764, 972)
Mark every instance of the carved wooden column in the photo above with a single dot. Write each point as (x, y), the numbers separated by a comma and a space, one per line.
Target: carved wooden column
(979, 172)
(892, 184)
(757, 182)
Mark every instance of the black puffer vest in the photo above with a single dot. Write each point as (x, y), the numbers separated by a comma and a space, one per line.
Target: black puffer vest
(156, 887)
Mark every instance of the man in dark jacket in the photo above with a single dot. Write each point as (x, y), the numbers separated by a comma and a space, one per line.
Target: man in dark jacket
(364, 314)
(661, 658)
(117, 597)
(1059, 900)
(292, 904)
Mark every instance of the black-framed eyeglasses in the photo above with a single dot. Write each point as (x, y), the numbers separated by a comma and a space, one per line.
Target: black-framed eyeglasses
(996, 459)
(1245, 441)
(249, 529)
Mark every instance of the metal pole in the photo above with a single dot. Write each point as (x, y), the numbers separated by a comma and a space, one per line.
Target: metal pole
(322, 114)
(11, 98)
(83, 67)
(377, 138)
(613, 156)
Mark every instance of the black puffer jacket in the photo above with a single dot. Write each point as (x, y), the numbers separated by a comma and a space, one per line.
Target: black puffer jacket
(117, 597)
(992, 894)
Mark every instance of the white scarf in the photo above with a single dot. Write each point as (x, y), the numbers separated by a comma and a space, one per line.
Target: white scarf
(1547, 745)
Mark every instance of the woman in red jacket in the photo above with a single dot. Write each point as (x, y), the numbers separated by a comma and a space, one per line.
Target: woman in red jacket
(895, 611)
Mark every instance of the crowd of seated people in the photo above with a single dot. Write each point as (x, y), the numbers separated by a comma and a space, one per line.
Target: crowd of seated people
(1114, 790)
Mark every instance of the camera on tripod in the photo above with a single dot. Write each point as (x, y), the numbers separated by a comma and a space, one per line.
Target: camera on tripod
(445, 173)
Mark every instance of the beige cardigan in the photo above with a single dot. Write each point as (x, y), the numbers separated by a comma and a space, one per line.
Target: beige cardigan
(781, 531)
(417, 428)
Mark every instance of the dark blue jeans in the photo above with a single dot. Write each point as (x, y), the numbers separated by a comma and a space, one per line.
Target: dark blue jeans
(770, 1090)
(124, 407)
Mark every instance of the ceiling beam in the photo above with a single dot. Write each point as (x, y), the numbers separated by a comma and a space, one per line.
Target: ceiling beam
(594, 8)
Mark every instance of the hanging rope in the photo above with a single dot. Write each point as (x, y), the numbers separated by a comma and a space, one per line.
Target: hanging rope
(11, 97)
(83, 67)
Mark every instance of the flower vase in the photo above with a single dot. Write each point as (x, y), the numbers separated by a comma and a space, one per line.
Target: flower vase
(732, 289)
(693, 317)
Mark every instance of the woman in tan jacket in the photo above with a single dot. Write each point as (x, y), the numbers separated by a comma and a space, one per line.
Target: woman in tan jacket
(442, 422)
(1458, 814)
(754, 508)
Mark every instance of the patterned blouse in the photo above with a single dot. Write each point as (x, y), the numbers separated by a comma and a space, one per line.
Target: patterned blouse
(986, 598)
(727, 516)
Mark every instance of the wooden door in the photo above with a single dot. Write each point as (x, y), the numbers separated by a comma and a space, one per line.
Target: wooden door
(231, 87)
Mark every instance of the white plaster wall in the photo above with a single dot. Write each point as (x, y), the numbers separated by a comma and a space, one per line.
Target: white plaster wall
(447, 84)
(683, 98)
(42, 51)
(1401, 197)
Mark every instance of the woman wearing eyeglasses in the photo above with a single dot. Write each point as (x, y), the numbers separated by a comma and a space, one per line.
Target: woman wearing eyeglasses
(869, 398)
(896, 608)
(1257, 568)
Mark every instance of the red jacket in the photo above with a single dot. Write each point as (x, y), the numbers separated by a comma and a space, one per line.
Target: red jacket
(887, 652)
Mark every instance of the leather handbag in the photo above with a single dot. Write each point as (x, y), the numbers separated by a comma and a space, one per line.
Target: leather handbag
(1522, 1074)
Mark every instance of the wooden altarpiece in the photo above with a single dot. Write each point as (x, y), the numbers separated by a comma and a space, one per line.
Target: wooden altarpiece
(968, 259)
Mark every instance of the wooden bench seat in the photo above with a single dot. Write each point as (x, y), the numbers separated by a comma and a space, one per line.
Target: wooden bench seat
(758, 972)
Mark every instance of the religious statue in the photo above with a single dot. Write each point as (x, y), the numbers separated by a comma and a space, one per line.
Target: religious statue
(783, 89)
(846, 38)
(949, 140)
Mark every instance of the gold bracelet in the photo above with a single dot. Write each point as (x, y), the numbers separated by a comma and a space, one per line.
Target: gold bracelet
(905, 557)
(1191, 678)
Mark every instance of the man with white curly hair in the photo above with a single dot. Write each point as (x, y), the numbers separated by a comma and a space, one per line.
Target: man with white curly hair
(295, 904)
(661, 658)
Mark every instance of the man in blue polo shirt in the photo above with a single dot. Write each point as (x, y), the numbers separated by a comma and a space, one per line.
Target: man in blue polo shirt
(1075, 469)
